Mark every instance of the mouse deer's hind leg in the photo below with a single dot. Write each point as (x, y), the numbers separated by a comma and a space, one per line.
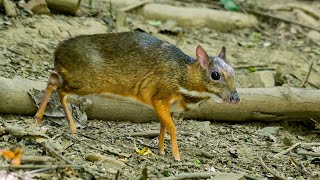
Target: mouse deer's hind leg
(53, 82)
(64, 103)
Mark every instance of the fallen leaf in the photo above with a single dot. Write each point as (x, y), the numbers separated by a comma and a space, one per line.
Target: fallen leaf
(144, 151)
(154, 23)
(13, 155)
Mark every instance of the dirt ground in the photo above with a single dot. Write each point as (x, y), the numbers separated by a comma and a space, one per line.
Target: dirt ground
(26, 49)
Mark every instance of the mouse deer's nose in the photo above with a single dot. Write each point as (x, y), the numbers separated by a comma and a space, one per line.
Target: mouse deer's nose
(234, 97)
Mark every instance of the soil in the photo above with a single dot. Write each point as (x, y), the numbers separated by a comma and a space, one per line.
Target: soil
(26, 49)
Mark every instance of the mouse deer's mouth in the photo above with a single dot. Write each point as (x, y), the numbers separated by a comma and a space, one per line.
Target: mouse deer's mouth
(234, 97)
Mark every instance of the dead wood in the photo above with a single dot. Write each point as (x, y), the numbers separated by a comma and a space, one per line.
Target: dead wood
(37, 159)
(276, 174)
(35, 166)
(205, 175)
(37, 7)
(258, 13)
(306, 153)
(186, 16)
(146, 134)
(220, 20)
(9, 8)
(265, 104)
(67, 6)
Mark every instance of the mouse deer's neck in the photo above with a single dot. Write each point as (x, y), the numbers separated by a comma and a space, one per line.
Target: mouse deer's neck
(193, 78)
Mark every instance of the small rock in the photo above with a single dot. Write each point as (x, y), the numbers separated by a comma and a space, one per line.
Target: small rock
(314, 35)
(37, 7)
(45, 63)
(266, 78)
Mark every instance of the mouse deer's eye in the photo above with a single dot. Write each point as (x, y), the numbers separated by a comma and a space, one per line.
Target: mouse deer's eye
(215, 75)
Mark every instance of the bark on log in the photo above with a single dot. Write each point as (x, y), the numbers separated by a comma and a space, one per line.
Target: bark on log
(191, 17)
(265, 104)
(68, 6)
(9, 7)
(194, 17)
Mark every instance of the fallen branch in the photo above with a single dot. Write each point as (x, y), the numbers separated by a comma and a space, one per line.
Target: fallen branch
(287, 150)
(34, 166)
(206, 154)
(204, 175)
(68, 6)
(37, 159)
(247, 176)
(135, 5)
(270, 170)
(9, 8)
(281, 19)
(101, 158)
(55, 153)
(308, 75)
(146, 134)
(306, 153)
(309, 144)
(264, 104)
(104, 150)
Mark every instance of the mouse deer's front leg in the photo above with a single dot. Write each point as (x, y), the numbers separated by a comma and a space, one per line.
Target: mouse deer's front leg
(52, 85)
(162, 109)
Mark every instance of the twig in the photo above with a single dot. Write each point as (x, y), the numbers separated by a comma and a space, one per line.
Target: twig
(55, 153)
(197, 175)
(206, 154)
(33, 166)
(306, 35)
(307, 78)
(287, 150)
(253, 24)
(144, 174)
(306, 153)
(43, 159)
(105, 150)
(38, 170)
(134, 6)
(270, 170)
(118, 174)
(310, 144)
(247, 176)
(146, 134)
(282, 19)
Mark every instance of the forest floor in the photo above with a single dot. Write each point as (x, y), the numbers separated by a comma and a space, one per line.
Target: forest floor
(26, 50)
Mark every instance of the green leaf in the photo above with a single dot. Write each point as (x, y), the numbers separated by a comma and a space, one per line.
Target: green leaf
(230, 5)
(166, 173)
(252, 69)
(154, 23)
(197, 162)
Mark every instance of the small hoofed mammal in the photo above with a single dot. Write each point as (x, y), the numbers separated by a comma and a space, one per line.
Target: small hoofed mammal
(142, 67)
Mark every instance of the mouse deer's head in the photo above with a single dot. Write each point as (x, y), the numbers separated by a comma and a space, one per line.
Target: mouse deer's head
(219, 78)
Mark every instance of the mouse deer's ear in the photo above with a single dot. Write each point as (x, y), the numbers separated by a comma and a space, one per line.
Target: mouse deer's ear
(202, 57)
(222, 54)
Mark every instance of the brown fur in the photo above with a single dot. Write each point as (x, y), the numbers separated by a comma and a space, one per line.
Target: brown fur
(130, 64)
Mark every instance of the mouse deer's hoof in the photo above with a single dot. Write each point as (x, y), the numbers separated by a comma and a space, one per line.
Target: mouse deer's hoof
(176, 157)
(37, 120)
(161, 152)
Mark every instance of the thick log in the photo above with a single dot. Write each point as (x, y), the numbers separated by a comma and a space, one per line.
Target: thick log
(9, 8)
(190, 16)
(193, 17)
(264, 104)
(67, 6)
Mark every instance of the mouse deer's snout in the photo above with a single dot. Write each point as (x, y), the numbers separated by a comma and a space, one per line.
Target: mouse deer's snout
(234, 97)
